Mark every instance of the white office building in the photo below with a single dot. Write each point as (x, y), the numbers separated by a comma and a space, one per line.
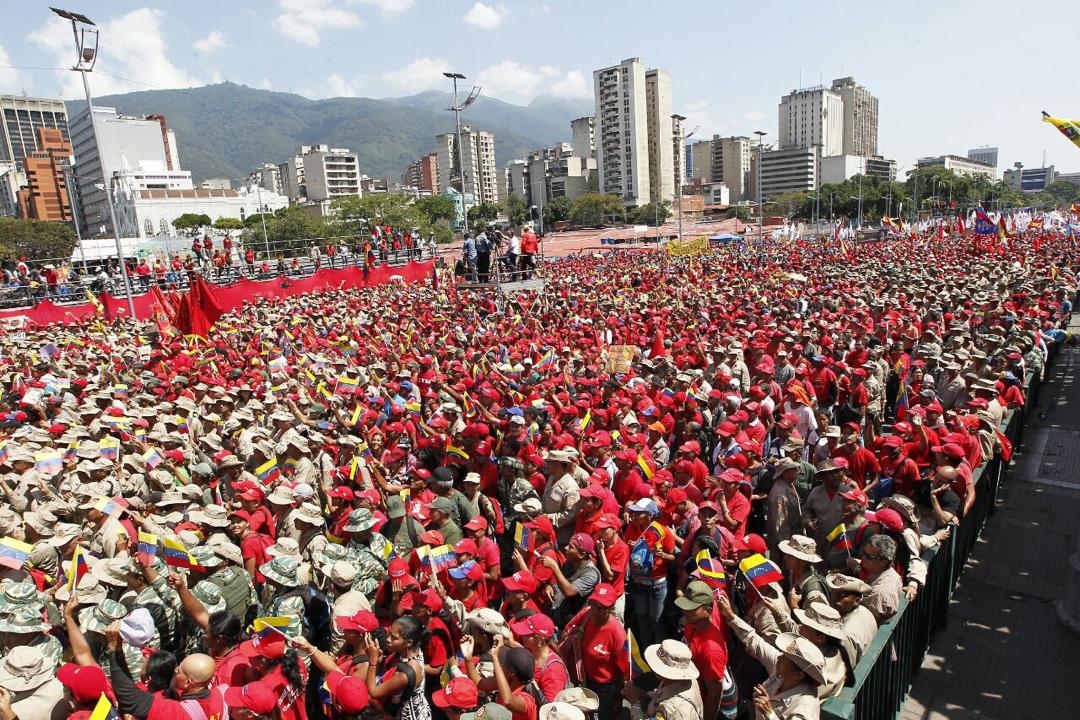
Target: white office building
(123, 142)
(959, 165)
(315, 174)
(860, 120)
(985, 155)
(622, 134)
(583, 136)
(793, 170)
(150, 197)
(812, 116)
(662, 175)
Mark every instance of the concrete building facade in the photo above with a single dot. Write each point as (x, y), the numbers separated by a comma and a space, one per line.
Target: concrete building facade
(791, 170)
(123, 142)
(731, 166)
(583, 136)
(481, 178)
(860, 117)
(987, 155)
(812, 116)
(699, 160)
(959, 165)
(622, 136)
(46, 196)
(423, 174)
(330, 173)
(20, 119)
(661, 134)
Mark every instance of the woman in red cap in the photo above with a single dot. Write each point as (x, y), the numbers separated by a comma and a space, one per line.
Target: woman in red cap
(401, 688)
(281, 670)
(535, 633)
(487, 550)
(347, 695)
(469, 589)
(520, 590)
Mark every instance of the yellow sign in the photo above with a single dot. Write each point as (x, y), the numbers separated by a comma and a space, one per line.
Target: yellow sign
(688, 248)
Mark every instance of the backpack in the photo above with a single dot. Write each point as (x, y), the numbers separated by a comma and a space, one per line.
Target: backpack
(533, 686)
(641, 558)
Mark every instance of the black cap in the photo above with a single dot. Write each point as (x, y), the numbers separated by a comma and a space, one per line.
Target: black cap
(519, 661)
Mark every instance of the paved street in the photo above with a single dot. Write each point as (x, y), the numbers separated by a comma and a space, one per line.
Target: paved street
(1004, 654)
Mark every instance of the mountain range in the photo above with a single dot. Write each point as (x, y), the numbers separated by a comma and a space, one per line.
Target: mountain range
(227, 130)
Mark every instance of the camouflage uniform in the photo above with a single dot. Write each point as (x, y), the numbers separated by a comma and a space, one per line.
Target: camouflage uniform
(371, 563)
(284, 596)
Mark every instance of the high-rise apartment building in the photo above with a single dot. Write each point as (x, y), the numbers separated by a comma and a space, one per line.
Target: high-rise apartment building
(22, 117)
(423, 174)
(731, 166)
(662, 174)
(583, 136)
(480, 179)
(330, 172)
(635, 155)
(268, 177)
(812, 116)
(860, 117)
(45, 196)
(122, 142)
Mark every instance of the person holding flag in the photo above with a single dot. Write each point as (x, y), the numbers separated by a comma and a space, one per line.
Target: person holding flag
(707, 641)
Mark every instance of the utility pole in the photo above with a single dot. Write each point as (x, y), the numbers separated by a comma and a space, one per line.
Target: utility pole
(456, 109)
(86, 46)
(761, 203)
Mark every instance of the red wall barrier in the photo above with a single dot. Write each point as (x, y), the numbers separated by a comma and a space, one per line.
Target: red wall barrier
(231, 296)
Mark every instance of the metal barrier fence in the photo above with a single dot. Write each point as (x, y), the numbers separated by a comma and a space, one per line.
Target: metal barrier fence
(74, 293)
(883, 677)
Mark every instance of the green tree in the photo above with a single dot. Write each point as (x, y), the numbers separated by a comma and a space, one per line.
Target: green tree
(649, 214)
(437, 208)
(516, 209)
(290, 231)
(482, 215)
(742, 212)
(192, 223)
(596, 209)
(228, 223)
(558, 210)
(36, 239)
(355, 214)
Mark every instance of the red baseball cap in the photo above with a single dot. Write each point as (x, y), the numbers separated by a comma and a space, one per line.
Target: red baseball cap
(887, 518)
(256, 697)
(604, 595)
(466, 547)
(242, 514)
(341, 492)
(856, 495)
(362, 621)
(460, 693)
(477, 522)
(523, 581)
(398, 568)
(348, 693)
(608, 520)
(538, 624)
(431, 537)
(270, 646)
(752, 543)
(86, 682)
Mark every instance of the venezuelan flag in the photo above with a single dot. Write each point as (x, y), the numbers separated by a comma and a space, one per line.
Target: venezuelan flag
(546, 359)
(106, 506)
(521, 536)
(442, 557)
(363, 450)
(354, 469)
(457, 452)
(346, 385)
(759, 571)
(152, 458)
(78, 567)
(839, 536)
(710, 571)
(264, 626)
(638, 666)
(586, 421)
(13, 553)
(49, 462)
(356, 413)
(104, 709)
(268, 471)
(413, 408)
(177, 555)
(645, 468)
(148, 546)
(1069, 128)
(109, 447)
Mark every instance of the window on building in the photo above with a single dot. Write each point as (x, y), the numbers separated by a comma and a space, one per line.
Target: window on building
(164, 226)
(148, 226)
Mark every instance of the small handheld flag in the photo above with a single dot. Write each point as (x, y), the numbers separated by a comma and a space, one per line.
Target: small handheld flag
(176, 555)
(106, 506)
(441, 557)
(839, 537)
(268, 471)
(104, 709)
(152, 458)
(264, 626)
(148, 547)
(13, 553)
(710, 571)
(638, 666)
(457, 452)
(645, 468)
(77, 568)
(759, 571)
(49, 462)
(109, 447)
(521, 537)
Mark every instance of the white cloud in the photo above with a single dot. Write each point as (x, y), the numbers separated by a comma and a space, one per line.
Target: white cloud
(421, 74)
(754, 116)
(699, 115)
(134, 55)
(337, 86)
(305, 20)
(9, 76)
(390, 6)
(511, 80)
(484, 16)
(573, 85)
(211, 43)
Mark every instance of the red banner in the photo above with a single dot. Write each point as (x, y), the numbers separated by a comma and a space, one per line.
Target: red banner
(230, 296)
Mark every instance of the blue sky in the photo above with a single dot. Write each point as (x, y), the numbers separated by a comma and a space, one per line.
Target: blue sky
(949, 75)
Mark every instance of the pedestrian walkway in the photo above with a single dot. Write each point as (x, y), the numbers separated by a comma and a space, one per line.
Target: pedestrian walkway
(1004, 654)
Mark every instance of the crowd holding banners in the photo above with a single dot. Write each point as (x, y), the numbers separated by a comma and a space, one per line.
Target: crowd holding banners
(406, 501)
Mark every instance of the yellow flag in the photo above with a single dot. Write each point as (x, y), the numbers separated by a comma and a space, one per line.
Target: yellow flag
(1068, 128)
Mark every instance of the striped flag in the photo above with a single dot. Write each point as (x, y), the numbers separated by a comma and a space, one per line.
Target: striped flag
(759, 571)
(645, 468)
(13, 553)
(77, 568)
(268, 471)
(177, 555)
(457, 452)
(347, 386)
(148, 547)
(104, 709)
(264, 626)
(839, 537)
(638, 666)
(49, 462)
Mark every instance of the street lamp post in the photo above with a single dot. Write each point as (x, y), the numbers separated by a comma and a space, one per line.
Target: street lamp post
(859, 226)
(86, 58)
(761, 205)
(75, 218)
(678, 119)
(456, 109)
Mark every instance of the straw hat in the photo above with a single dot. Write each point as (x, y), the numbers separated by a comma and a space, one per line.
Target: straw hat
(803, 653)
(801, 547)
(672, 660)
(25, 668)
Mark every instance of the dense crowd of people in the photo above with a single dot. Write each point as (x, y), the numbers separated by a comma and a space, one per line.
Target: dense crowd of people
(681, 488)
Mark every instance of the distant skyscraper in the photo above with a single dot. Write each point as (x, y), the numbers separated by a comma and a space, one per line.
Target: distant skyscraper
(731, 165)
(812, 116)
(988, 155)
(699, 157)
(45, 196)
(860, 117)
(481, 179)
(22, 117)
(635, 155)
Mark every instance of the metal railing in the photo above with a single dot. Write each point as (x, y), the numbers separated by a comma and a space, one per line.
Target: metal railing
(297, 267)
(884, 675)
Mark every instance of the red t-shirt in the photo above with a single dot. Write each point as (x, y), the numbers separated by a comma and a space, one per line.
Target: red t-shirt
(603, 651)
(254, 546)
(552, 677)
(488, 554)
(708, 649)
(233, 669)
(739, 509)
(531, 711)
(618, 557)
(290, 699)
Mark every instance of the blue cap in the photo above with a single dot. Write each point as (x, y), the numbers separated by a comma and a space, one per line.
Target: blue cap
(462, 571)
(645, 505)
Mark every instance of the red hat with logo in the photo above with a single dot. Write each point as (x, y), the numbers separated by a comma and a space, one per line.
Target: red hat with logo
(348, 693)
(521, 581)
(257, 697)
(362, 621)
(460, 693)
(538, 624)
(86, 682)
(604, 595)
(270, 646)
